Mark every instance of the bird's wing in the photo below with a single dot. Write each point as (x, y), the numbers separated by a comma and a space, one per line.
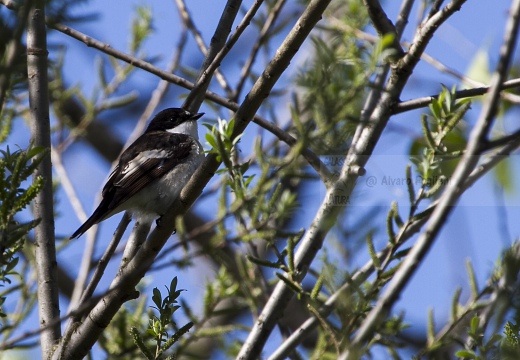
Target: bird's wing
(140, 165)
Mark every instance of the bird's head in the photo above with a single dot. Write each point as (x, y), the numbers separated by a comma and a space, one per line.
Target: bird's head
(174, 120)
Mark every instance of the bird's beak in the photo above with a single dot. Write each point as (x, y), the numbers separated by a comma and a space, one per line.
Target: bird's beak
(196, 116)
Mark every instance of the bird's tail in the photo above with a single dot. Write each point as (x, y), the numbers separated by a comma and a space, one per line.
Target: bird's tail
(96, 217)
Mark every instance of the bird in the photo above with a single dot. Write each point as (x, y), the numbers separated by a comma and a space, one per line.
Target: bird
(152, 171)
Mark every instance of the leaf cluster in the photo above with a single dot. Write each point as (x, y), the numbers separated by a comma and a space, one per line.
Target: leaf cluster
(15, 168)
(160, 326)
(437, 153)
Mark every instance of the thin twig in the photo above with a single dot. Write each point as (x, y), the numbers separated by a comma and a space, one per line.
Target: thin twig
(88, 252)
(381, 73)
(67, 185)
(461, 94)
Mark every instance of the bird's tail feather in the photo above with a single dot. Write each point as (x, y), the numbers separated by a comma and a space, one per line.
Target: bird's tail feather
(96, 217)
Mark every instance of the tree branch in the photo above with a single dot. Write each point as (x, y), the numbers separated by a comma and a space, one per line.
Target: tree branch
(383, 24)
(461, 94)
(188, 20)
(45, 250)
(246, 69)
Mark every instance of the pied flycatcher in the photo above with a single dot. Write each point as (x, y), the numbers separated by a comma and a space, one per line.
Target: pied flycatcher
(153, 170)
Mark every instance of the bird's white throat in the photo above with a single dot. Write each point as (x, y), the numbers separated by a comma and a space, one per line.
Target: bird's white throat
(188, 128)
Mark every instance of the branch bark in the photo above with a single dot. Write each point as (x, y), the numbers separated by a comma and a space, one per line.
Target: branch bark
(48, 301)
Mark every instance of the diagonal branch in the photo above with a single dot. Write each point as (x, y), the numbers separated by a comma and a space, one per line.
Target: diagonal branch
(246, 69)
(190, 25)
(382, 23)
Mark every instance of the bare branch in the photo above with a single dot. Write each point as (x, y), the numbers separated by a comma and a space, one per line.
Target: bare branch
(188, 21)
(84, 268)
(48, 300)
(418, 103)
(381, 72)
(67, 185)
(382, 23)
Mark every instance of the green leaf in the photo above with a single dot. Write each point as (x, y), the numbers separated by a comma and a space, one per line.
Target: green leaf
(372, 251)
(455, 304)
(157, 298)
(465, 354)
(472, 279)
(210, 138)
(390, 223)
(475, 321)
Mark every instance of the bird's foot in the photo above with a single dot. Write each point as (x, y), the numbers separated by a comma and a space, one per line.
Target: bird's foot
(158, 222)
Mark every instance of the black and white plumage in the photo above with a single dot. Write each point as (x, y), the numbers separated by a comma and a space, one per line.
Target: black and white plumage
(153, 170)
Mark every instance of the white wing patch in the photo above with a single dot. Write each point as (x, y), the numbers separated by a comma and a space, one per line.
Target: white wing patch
(138, 162)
